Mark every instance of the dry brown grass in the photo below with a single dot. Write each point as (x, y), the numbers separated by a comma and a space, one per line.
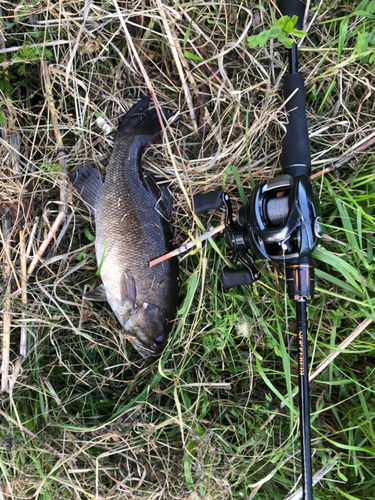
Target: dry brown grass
(83, 415)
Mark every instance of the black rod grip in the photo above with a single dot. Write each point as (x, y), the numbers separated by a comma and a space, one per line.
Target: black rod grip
(296, 158)
(293, 8)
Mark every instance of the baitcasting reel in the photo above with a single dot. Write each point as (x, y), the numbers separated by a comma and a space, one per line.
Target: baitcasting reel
(280, 222)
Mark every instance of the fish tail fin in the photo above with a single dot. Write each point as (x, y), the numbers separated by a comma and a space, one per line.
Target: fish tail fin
(142, 122)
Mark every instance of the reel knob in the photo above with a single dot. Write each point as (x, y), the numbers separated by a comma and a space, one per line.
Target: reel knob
(203, 202)
(235, 277)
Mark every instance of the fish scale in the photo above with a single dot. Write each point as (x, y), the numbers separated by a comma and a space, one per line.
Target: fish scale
(132, 228)
(146, 240)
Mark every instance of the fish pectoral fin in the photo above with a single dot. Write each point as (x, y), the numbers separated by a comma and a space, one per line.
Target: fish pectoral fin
(88, 183)
(96, 295)
(128, 289)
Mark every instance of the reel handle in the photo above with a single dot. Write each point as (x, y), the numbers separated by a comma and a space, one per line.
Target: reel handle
(202, 202)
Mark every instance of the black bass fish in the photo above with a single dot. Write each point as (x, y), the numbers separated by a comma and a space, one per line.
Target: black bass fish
(132, 227)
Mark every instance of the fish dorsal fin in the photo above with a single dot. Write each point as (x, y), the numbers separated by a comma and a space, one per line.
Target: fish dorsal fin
(128, 289)
(96, 295)
(88, 183)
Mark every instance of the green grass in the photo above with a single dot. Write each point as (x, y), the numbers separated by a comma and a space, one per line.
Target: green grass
(87, 417)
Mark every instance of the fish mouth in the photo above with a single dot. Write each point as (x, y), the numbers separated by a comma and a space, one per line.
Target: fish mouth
(144, 351)
(146, 328)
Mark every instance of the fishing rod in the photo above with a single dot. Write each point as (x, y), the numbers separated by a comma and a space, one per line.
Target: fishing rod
(280, 223)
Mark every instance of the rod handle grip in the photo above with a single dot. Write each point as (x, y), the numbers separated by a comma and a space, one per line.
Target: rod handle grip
(293, 8)
(296, 159)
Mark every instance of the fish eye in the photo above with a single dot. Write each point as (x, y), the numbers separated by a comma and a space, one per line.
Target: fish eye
(159, 340)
